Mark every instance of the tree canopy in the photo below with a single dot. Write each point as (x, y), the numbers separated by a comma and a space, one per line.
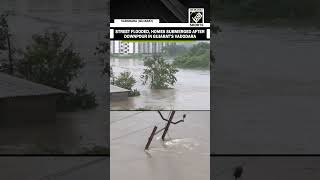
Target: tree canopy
(158, 72)
(50, 60)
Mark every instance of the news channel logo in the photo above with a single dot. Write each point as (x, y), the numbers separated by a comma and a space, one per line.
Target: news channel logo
(196, 15)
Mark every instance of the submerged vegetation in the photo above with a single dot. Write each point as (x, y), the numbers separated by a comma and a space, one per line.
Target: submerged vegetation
(50, 59)
(158, 72)
(47, 61)
(126, 80)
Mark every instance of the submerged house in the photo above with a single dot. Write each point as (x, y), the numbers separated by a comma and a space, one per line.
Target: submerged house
(118, 93)
(23, 101)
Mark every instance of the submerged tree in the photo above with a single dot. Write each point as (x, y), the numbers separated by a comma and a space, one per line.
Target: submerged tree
(158, 72)
(51, 60)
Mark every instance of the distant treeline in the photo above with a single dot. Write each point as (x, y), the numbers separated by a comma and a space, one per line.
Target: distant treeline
(196, 57)
(266, 9)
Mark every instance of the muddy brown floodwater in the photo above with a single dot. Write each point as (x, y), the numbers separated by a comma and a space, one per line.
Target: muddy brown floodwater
(184, 155)
(191, 92)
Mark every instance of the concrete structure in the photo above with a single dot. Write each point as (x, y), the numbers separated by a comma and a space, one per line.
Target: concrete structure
(118, 93)
(23, 101)
(121, 47)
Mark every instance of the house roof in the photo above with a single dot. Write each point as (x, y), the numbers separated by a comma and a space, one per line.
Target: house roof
(116, 89)
(11, 86)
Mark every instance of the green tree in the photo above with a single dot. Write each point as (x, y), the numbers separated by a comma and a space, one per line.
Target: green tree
(158, 72)
(6, 45)
(50, 60)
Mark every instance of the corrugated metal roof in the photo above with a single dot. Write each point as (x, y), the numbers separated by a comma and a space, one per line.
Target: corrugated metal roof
(116, 89)
(11, 86)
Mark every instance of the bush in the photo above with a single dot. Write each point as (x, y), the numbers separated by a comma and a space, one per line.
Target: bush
(81, 98)
(134, 92)
(126, 80)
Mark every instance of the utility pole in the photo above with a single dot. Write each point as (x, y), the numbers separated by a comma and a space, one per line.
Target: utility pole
(165, 129)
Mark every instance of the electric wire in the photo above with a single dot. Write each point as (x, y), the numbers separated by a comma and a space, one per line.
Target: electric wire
(138, 130)
(126, 117)
(134, 132)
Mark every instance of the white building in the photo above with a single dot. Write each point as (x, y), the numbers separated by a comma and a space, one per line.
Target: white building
(122, 47)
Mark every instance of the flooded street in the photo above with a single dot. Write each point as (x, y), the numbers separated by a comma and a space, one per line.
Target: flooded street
(191, 92)
(184, 154)
(267, 90)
